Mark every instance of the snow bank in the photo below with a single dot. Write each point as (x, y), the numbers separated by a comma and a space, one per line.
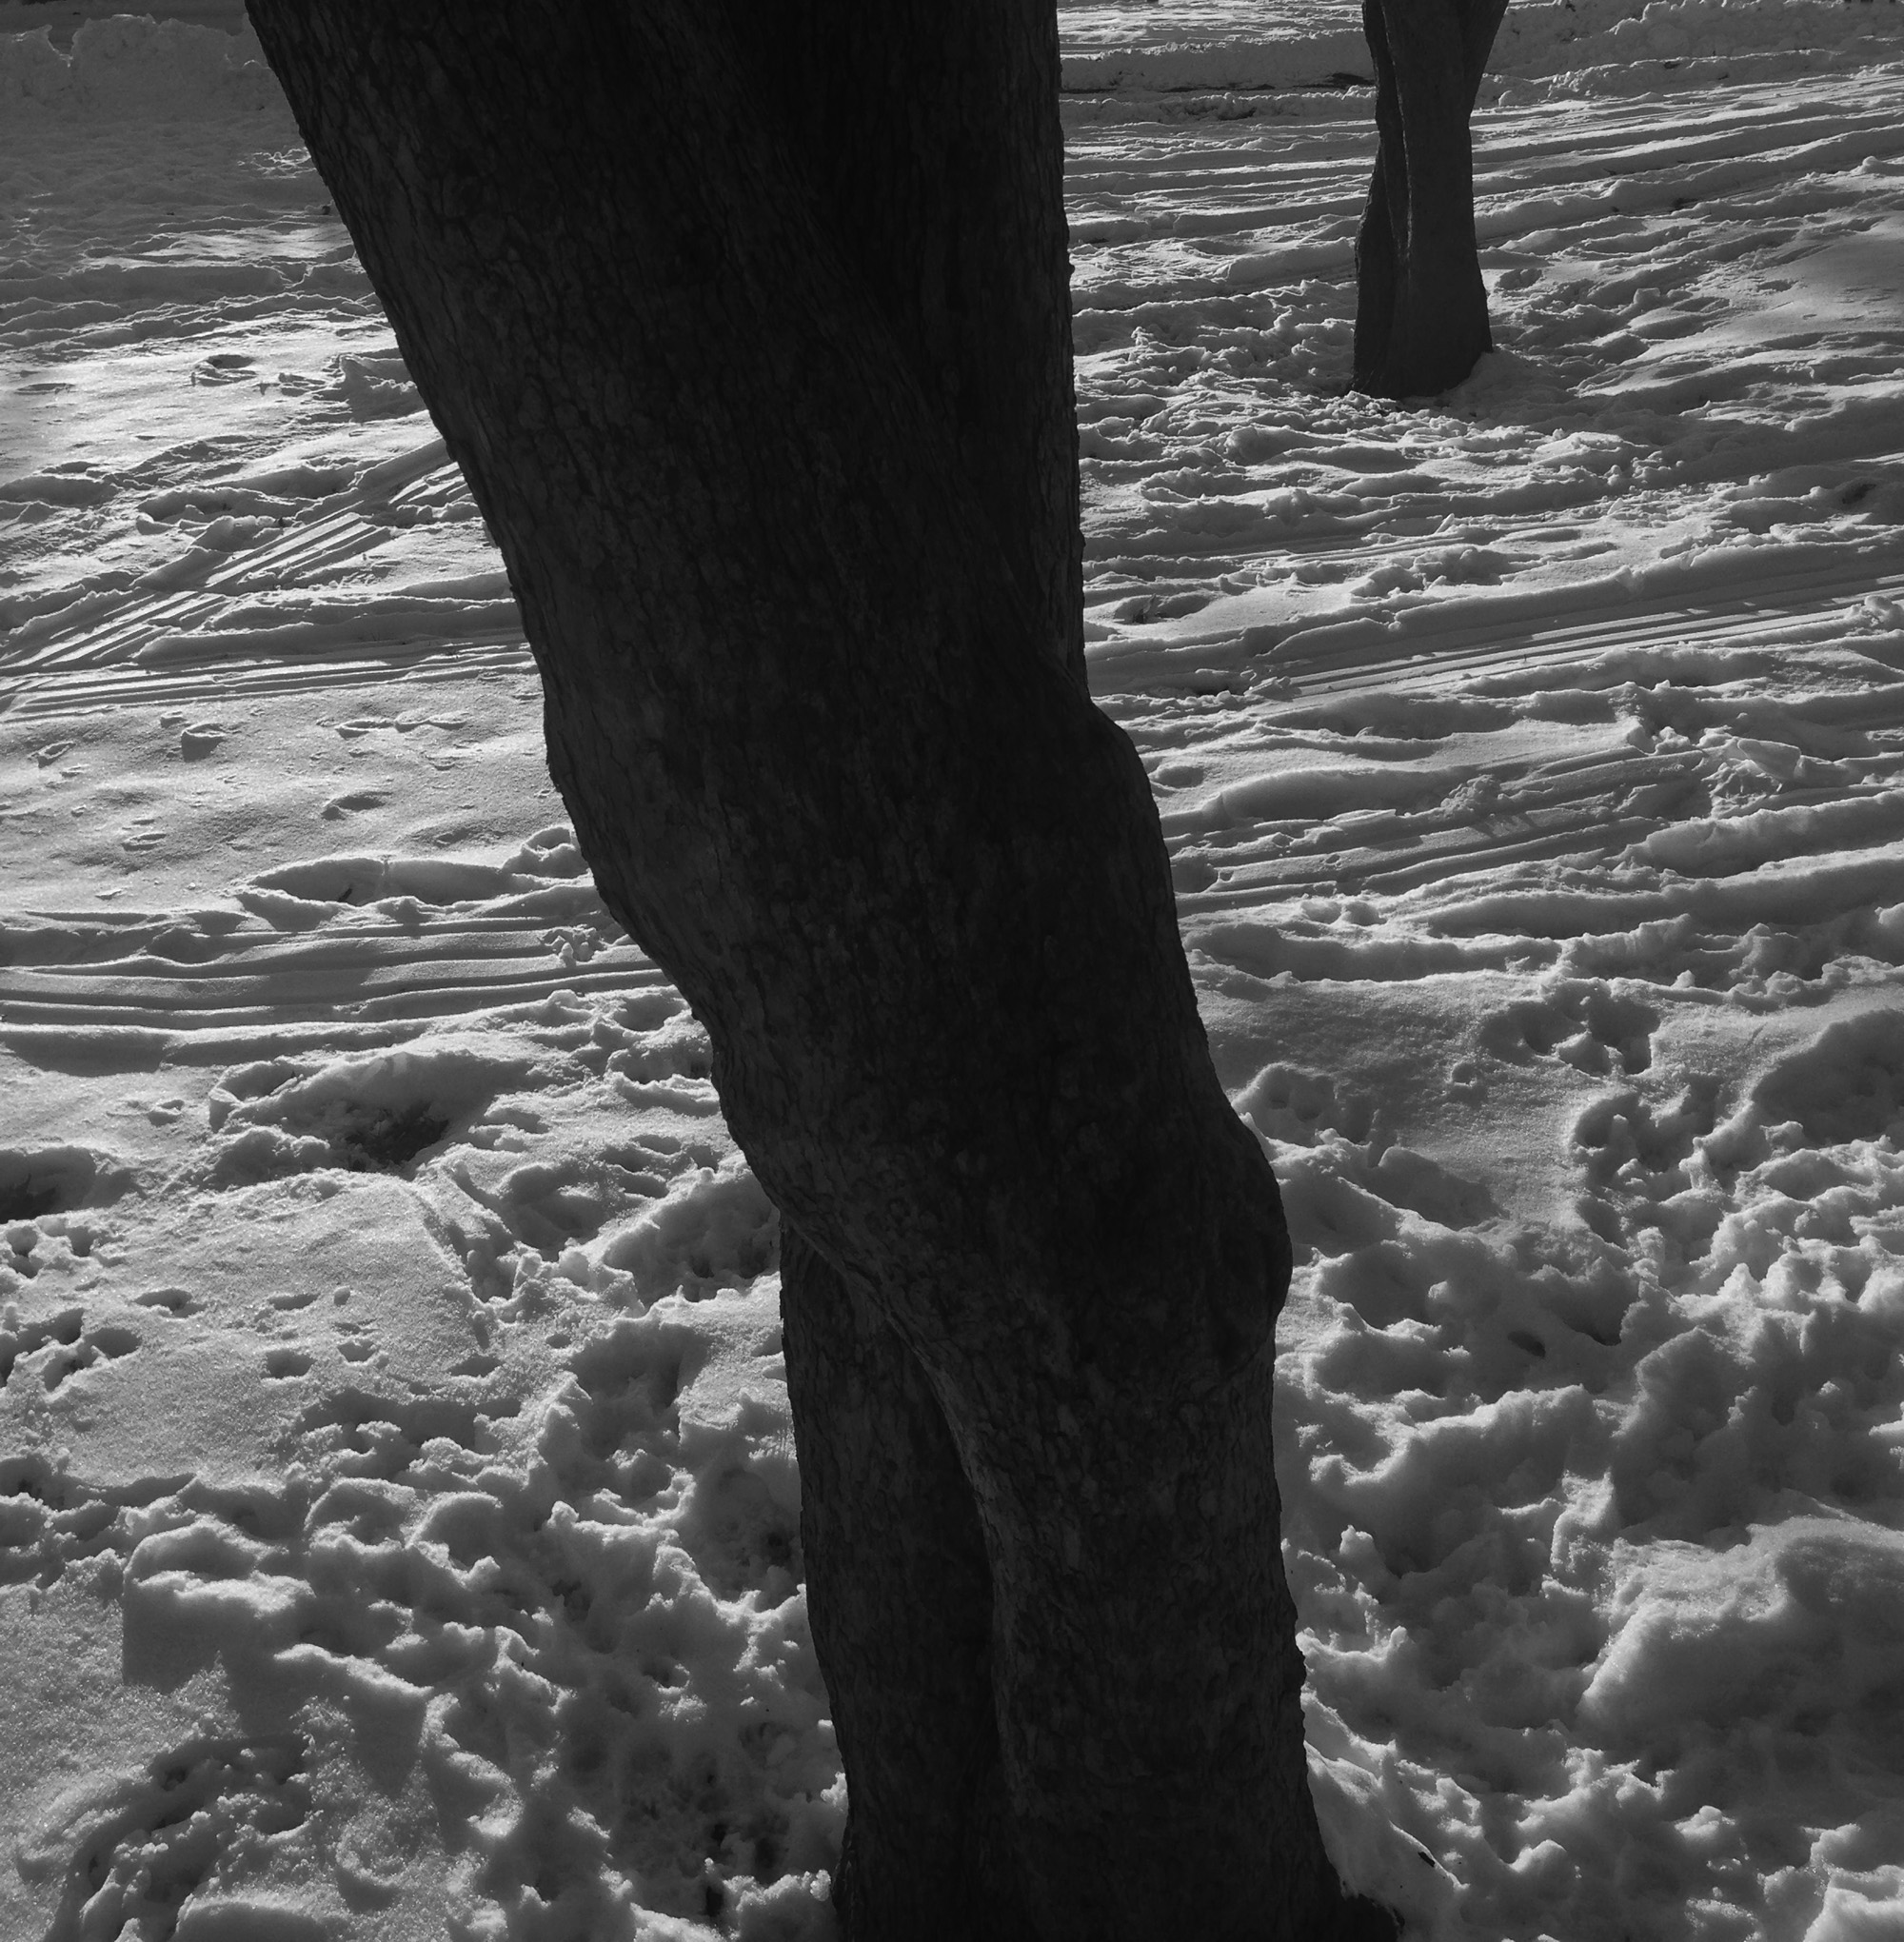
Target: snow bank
(1538, 38)
(1299, 60)
(1551, 36)
(132, 64)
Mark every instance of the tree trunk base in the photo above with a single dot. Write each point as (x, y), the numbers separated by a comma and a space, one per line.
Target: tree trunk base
(898, 1599)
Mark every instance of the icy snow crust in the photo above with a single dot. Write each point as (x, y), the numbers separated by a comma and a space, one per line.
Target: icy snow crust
(397, 1504)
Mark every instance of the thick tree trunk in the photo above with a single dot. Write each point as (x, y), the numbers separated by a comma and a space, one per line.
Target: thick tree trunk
(1421, 318)
(749, 327)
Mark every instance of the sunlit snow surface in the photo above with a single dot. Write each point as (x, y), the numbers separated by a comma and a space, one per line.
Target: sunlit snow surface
(398, 1521)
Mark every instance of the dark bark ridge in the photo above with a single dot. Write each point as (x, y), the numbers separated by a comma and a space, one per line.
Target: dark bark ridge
(800, 569)
(1421, 320)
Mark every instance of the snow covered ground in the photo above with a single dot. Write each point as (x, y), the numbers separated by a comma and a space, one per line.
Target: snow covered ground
(398, 1520)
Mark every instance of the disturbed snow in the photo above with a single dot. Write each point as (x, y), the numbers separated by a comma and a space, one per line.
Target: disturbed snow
(397, 1505)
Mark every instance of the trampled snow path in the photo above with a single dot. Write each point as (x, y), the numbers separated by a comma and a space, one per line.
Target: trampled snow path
(396, 1496)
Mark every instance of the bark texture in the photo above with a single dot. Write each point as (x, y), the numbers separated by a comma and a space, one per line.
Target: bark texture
(749, 326)
(1421, 319)
(899, 1587)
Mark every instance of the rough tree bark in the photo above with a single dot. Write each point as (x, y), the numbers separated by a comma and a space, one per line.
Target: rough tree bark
(1421, 318)
(749, 326)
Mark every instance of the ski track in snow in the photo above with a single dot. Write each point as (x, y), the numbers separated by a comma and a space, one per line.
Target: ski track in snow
(397, 1504)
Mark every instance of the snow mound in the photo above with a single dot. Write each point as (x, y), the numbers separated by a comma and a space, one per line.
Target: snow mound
(1802, 1623)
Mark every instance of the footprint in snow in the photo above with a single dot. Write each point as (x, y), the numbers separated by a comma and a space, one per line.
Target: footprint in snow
(359, 1114)
(1580, 1021)
(56, 1180)
(1847, 1085)
(132, 1851)
(355, 803)
(224, 367)
(1294, 1105)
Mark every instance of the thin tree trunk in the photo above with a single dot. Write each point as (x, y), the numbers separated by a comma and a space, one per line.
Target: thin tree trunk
(1421, 319)
(814, 706)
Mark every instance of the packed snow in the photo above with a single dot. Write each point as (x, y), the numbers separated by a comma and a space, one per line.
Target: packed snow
(398, 1512)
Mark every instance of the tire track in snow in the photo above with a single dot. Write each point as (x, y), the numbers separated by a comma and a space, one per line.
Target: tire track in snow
(250, 976)
(1693, 770)
(221, 679)
(1447, 636)
(157, 644)
(387, 973)
(1798, 606)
